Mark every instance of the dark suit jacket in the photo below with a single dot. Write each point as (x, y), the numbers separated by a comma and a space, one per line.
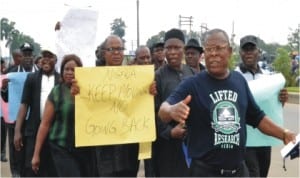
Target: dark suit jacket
(32, 96)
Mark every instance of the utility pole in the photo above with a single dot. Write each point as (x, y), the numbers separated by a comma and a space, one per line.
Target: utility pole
(232, 37)
(299, 40)
(203, 30)
(185, 21)
(138, 22)
(203, 26)
(132, 45)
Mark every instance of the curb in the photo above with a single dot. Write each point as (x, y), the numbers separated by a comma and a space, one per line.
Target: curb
(293, 98)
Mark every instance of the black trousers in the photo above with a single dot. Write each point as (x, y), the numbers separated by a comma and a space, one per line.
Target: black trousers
(200, 169)
(73, 162)
(149, 168)
(47, 168)
(3, 137)
(16, 158)
(258, 161)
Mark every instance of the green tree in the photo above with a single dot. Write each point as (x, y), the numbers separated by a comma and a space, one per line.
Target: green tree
(156, 38)
(282, 64)
(270, 48)
(234, 60)
(6, 29)
(14, 38)
(118, 28)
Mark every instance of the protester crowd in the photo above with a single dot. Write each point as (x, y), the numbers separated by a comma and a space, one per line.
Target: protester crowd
(201, 112)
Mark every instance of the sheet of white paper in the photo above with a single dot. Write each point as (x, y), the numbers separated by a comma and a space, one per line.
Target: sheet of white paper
(265, 91)
(77, 36)
(287, 148)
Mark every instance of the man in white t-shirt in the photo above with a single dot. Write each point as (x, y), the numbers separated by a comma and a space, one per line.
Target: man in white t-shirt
(258, 158)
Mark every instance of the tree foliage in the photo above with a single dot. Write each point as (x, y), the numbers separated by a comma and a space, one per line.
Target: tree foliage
(269, 48)
(282, 64)
(13, 38)
(156, 38)
(118, 28)
(234, 60)
(6, 28)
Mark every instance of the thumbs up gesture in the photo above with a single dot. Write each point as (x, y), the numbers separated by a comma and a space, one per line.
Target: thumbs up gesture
(180, 111)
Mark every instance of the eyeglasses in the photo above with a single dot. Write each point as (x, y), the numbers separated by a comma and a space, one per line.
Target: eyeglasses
(119, 49)
(217, 49)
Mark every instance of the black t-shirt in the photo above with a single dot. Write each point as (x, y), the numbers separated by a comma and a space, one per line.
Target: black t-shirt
(219, 112)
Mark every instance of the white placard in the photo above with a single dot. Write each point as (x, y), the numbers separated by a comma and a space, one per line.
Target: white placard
(77, 35)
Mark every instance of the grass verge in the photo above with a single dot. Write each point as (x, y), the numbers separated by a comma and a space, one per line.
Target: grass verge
(293, 89)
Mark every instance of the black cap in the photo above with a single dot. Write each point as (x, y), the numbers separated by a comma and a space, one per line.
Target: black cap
(26, 47)
(193, 43)
(159, 44)
(174, 33)
(156, 45)
(248, 39)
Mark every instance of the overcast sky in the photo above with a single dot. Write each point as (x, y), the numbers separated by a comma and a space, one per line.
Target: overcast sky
(268, 19)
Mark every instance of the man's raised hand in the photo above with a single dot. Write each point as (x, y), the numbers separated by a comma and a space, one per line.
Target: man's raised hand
(180, 111)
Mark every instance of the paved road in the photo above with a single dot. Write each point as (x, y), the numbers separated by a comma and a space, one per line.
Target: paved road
(292, 120)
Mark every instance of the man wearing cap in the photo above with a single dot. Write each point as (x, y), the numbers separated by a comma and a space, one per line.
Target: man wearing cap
(27, 62)
(36, 89)
(157, 55)
(193, 52)
(168, 156)
(258, 158)
(17, 58)
(23, 59)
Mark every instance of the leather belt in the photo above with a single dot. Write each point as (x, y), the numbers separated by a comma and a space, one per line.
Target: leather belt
(223, 172)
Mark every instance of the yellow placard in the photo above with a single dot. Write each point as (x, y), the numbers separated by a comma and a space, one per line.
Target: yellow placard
(145, 150)
(114, 105)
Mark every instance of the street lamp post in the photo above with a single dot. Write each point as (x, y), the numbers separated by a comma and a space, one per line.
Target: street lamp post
(299, 40)
(138, 22)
